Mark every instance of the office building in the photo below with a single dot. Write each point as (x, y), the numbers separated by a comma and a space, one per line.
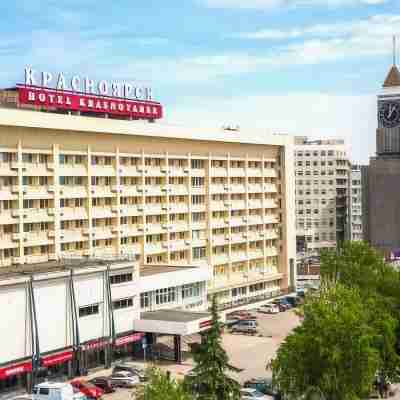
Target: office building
(322, 184)
(355, 209)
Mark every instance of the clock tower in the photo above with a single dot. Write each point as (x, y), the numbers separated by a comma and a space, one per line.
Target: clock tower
(388, 132)
(381, 197)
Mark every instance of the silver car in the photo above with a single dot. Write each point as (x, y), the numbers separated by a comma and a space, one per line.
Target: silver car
(124, 379)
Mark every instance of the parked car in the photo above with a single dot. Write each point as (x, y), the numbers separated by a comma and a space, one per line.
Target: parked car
(253, 394)
(263, 385)
(132, 369)
(245, 327)
(124, 379)
(241, 314)
(53, 391)
(269, 309)
(104, 383)
(91, 391)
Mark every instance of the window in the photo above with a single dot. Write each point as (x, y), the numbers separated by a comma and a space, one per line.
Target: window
(121, 278)
(192, 290)
(197, 164)
(197, 181)
(167, 295)
(145, 300)
(88, 310)
(123, 303)
(198, 252)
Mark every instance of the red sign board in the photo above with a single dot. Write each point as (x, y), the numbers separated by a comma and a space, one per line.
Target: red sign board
(96, 344)
(73, 101)
(205, 324)
(128, 339)
(59, 358)
(16, 369)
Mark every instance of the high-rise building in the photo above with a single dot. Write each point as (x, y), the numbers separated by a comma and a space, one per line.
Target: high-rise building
(383, 174)
(80, 186)
(322, 173)
(355, 206)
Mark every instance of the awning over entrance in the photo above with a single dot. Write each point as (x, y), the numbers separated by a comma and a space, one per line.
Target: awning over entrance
(173, 322)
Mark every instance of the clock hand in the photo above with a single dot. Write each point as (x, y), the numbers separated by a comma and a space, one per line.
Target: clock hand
(391, 111)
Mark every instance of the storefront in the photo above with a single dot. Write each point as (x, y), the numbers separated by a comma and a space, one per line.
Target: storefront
(14, 378)
(128, 346)
(95, 354)
(58, 366)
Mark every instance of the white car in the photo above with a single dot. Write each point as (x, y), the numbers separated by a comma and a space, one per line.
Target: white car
(253, 394)
(124, 379)
(269, 309)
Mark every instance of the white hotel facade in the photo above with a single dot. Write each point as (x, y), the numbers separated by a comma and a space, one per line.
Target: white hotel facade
(182, 214)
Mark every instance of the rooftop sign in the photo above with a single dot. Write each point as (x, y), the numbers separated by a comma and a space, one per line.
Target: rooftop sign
(84, 94)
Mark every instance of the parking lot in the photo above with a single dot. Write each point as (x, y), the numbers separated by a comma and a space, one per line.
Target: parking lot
(249, 353)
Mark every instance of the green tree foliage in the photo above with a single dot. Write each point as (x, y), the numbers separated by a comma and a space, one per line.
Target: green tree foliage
(209, 378)
(338, 348)
(358, 265)
(162, 387)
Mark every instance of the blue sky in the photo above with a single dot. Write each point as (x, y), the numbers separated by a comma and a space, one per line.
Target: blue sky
(309, 67)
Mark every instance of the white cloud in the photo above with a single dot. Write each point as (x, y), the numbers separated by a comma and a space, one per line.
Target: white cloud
(268, 4)
(311, 114)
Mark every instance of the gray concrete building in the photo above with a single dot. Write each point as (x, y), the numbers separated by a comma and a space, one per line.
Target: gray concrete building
(354, 224)
(383, 176)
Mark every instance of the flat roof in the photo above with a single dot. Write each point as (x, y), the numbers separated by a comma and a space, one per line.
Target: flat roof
(57, 266)
(64, 122)
(174, 315)
(148, 270)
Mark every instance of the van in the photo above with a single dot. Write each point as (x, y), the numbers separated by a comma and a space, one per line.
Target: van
(53, 391)
(247, 323)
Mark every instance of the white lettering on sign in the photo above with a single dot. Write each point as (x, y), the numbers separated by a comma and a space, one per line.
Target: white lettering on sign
(89, 86)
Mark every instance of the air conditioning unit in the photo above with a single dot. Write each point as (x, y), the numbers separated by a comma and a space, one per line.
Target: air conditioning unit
(186, 170)
(187, 242)
(165, 170)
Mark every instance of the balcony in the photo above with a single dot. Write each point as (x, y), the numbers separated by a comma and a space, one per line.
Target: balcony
(102, 191)
(271, 219)
(175, 245)
(129, 170)
(271, 234)
(218, 171)
(71, 213)
(178, 208)
(130, 210)
(198, 172)
(255, 253)
(131, 230)
(198, 190)
(221, 258)
(218, 223)
(154, 248)
(238, 256)
(255, 188)
(237, 188)
(237, 221)
(156, 228)
(217, 188)
(219, 240)
(238, 204)
(102, 170)
(131, 249)
(102, 212)
(38, 238)
(35, 169)
(270, 173)
(71, 191)
(36, 215)
(7, 241)
(72, 170)
(153, 190)
(254, 172)
(131, 190)
(237, 172)
(255, 219)
(102, 232)
(178, 171)
(5, 169)
(8, 216)
(74, 235)
(218, 206)
(197, 225)
(270, 203)
(255, 203)
(36, 258)
(238, 237)
(38, 192)
(270, 188)
(271, 251)
(198, 207)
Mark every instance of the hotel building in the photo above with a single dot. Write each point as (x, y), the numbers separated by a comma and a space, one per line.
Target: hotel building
(80, 186)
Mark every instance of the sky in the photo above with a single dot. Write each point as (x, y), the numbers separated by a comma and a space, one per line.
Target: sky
(297, 67)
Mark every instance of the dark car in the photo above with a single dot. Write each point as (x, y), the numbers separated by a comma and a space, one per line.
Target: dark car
(282, 306)
(103, 383)
(263, 385)
(132, 369)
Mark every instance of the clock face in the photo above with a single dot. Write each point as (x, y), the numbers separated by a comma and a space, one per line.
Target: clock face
(389, 114)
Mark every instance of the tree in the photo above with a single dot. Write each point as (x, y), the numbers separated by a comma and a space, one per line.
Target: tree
(338, 349)
(162, 387)
(358, 265)
(209, 377)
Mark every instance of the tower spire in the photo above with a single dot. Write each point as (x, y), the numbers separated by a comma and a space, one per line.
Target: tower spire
(394, 50)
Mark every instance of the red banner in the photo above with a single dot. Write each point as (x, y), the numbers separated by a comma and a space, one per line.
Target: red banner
(15, 369)
(68, 100)
(205, 324)
(96, 344)
(135, 337)
(59, 358)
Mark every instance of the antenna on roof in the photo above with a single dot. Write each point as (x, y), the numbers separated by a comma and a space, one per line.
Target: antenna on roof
(394, 50)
